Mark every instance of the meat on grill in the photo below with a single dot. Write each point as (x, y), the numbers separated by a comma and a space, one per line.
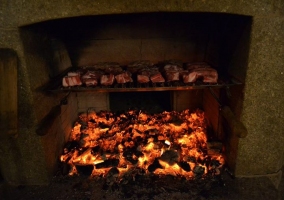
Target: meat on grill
(145, 73)
(91, 81)
(207, 74)
(171, 67)
(114, 69)
(189, 77)
(157, 78)
(90, 78)
(137, 66)
(172, 72)
(124, 77)
(210, 78)
(107, 73)
(107, 80)
(143, 78)
(92, 74)
(195, 65)
(69, 81)
(109, 67)
(172, 75)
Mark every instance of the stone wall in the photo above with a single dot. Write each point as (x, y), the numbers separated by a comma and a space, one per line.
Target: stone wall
(260, 153)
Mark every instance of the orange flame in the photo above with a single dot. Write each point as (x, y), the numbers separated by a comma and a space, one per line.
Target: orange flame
(139, 140)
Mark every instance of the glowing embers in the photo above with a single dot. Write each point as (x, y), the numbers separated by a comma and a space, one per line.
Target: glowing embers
(168, 143)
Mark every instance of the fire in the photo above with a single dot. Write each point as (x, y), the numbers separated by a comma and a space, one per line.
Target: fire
(172, 143)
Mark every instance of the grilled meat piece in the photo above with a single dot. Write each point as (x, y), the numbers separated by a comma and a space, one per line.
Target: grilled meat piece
(107, 80)
(201, 71)
(124, 77)
(157, 78)
(69, 81)
(91, 82)
(143, 78)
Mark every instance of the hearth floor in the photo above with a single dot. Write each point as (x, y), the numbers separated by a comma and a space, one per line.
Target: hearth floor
(83, 188)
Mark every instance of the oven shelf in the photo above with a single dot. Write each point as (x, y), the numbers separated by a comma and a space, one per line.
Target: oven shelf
(143, 88)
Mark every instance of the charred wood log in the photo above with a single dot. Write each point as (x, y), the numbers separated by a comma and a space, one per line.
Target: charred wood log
(185, 166)
(170, 156)
(155, 165)
(108, 163)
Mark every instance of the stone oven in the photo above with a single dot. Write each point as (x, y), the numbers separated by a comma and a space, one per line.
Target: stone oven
(39, 40)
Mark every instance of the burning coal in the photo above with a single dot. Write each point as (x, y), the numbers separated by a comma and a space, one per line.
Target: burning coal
(168, 143)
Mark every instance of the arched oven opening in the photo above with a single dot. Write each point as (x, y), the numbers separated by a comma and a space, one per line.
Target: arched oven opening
(55, 48)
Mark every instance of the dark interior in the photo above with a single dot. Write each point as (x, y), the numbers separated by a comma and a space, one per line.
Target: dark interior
(188, 37)
(150, 102)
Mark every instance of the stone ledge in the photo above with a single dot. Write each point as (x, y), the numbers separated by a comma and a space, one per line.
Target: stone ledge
(28, 12)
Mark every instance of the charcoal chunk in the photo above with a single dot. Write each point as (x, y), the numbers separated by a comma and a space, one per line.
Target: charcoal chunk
(155, 165)
(108, 163)
(198, 170)
(171, 157)
(185, 166)
(85, 170)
